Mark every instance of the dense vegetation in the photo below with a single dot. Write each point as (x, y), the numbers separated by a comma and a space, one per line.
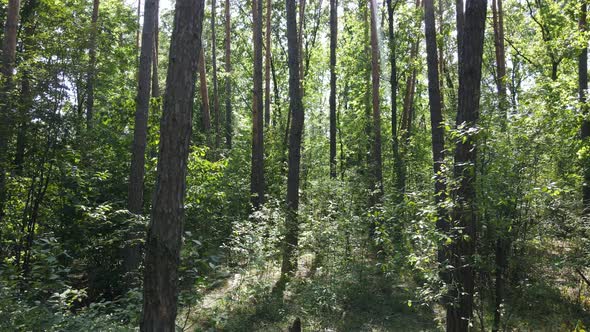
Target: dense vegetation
(308, 165)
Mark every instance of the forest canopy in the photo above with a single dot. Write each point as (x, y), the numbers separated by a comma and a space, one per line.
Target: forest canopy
(317, 165)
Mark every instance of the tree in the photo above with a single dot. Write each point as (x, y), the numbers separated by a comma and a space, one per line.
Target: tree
(160, 291)
(257, 175)
(91, 64)
(460, 312)
(140, 131)
(6, 85)
(205, 114)
(333, 45)
(582, 93)
(228, 70)
(377, 170)
(290, 243)
(216, 110)
(436, 124)
(267, 58)
(155, 78)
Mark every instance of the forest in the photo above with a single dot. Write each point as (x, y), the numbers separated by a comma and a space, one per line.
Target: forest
(296, 165)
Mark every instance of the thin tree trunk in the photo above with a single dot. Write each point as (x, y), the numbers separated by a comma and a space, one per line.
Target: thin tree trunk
(206, 115)
(583, 90)
(437, 129)
(407, 115)
(377, 170)
(441, 62)
(91, 74)
(216, 109)
(228, 70)
(155, 78)
(267, 58)
(160, 292)
(135, 200)
(470, 58)
(333, 46)
(6, 86)
(291, 240)
(257, 175)
(300, 40)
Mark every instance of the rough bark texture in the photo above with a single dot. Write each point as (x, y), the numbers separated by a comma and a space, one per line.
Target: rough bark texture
(91, 74)
(6, 85)
(205, 115)
(228, 70)
(216, 109)
(460, 312)
(160, 292)
(333, 45)
(375, 96)
(289, 264)
(257, 174)
(267, 57)
(436, 124)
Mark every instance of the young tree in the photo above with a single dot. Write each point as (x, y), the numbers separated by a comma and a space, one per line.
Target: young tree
(436, 123)
(290, 243)
(140, 131)
(460, 312)
(6, 85)
(216, 110)
(160, 291)
(228, 70)
(206, 114)
(333, 45)
(375, 82)
(257, 174)
(583, 90)
(267, 57)
(91, 74)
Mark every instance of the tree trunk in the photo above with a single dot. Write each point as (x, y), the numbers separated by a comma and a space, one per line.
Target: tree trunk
(216, 109)
(583, 90)
(470, 58)
(91, 74)
(205, 115)
(160, 292)
(377, 170)
(257, 175)
(155, 78)
(397, 159)
(6, 86)
(267, 64)
(228, 70)
(289, 264)
(136, 178)
(333, 45)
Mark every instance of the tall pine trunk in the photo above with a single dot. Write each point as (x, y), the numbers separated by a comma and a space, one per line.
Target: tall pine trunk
(436, 125)
(155, 78)
(267, 64)
(333, 45)
(160, 290)
(257, 171)
(6, 86)
(460, 312)
(91, 74)
(376, 168)
(216, 109)
(583, 90)
(291, 240)
(228, 70)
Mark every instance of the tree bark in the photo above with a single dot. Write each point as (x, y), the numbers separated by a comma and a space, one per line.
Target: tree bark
(160, 292)
(206, 114)
(583, 90)
(333, 46)
(135, 200)
(267, 64)
(228, 70)
(155, 78)
(289, 263)
(377, 170)
(460, 312)
(216, 109)
(6, 86)
(437, 133)
(257, 175)
(91, 74)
